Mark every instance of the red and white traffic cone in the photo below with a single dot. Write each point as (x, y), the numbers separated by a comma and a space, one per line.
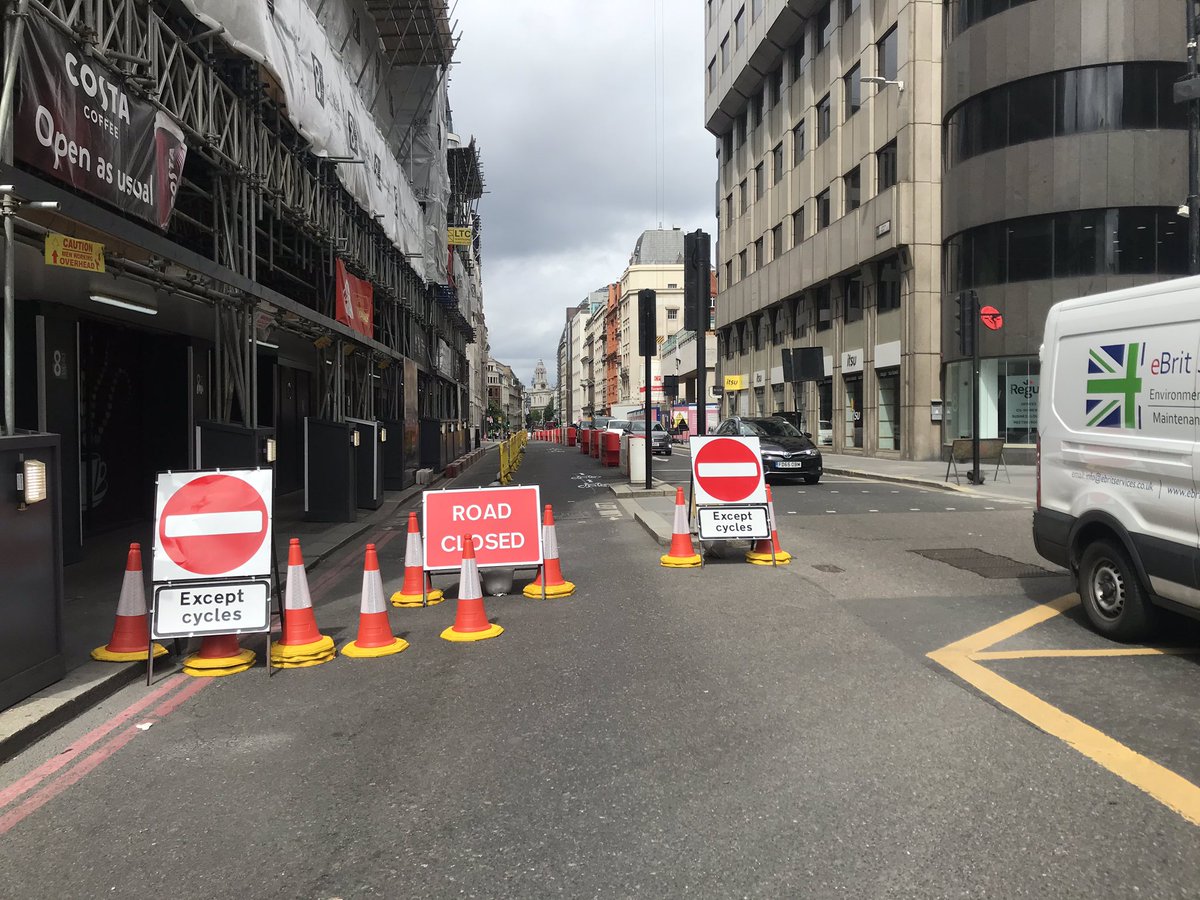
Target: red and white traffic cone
(131, 632)
(220, 654)
(414, 573)
(375, 636)
(761, 554)
(556, 585)
(470, 618)
(682, 554)
(302, 645)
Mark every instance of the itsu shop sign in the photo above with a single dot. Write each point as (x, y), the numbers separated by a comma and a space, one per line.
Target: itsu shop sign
(76, 121)
(212, 553)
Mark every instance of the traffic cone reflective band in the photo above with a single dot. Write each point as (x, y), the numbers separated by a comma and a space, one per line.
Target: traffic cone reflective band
(375, 636)
(761, 554)
(682, 554)
(556, 585)
(131, 632)
(219, 655)
(414, 573)
(302, 645)
(470, 619)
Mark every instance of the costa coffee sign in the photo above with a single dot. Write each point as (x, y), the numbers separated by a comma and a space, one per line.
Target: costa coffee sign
(75, 121)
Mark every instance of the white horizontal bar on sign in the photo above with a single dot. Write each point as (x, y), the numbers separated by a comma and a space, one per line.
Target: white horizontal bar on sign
(727, 470)
(212, 524)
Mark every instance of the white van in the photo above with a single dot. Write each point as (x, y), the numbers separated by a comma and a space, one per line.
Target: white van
(1117, 419)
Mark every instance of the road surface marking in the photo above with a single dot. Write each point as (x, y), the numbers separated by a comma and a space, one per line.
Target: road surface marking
(831, 510)
(1165, 786)
(914, 509)
(1084, 654)
(872, 510)
(950, 509)
(727, 470)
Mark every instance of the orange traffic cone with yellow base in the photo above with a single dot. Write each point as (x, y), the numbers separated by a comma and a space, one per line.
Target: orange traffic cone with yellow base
(302, 645)
(556, 585)
(761, 554)
(375, 636)
(219, 655)
(131, 632)
(682, 554)
(470, 619)
(410, 593)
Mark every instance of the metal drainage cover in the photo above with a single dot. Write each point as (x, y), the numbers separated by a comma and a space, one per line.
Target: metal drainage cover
(988, 565)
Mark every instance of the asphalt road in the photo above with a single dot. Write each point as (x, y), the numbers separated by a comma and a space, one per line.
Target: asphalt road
(726, 731)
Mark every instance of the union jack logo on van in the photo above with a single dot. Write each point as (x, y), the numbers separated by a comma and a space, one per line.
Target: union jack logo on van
(1113, 386)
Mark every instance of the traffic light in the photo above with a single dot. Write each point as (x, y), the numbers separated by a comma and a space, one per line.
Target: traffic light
(696, 280)
(647, 323)
(671, 386)
(965, 322)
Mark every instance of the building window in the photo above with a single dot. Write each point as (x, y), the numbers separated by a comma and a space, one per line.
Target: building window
(852, 187)
(852, 85)
(889, 408)
(742, 271)
(1073, 101)
(885, 167)
(852, 305)
(824, 120)
(672, 313)
(798, 58)
(727, 146)
(823, 218)
(886, 55)
(799, 319)
(728, 274)
(739, 28)
(798, 143)
(777, 162)
(755, 9)
(744, 195)
(671, 286)
(854, 409)
(824, 306)
(962, 14)
(798, 234)
(708, 12)
(851, 6)
(760, 182)
(1008, 399)
(774, 87)
(780, 330)
(824, 26)
(725, 53)
(712, 75)
(729, 209)
(759, 261)
(887, 288)
(777, 241)
(754, 111)
(1140, 240)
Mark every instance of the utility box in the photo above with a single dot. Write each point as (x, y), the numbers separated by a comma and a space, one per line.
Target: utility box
(368, 462)
(221, 445)
(330, 471)
(31, 641)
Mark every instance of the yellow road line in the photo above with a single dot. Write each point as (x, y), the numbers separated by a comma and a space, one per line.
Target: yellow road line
(1071, 654)
(1171, 790)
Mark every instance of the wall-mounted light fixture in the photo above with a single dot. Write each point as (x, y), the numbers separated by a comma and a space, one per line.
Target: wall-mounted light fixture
(383, 435)
(31, 482)
(266, 344)
(132, 305)
(882, 82)
(271, 450)
(354, 437)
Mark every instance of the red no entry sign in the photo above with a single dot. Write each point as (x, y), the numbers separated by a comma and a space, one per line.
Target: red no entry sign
(212, 525)
(991, 318)
(727, 470)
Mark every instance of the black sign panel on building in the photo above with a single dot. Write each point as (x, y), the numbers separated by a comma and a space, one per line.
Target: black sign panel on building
(76, 121)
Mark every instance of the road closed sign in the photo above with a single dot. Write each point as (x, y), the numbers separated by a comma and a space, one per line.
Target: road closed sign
(504, 524)
(727, 470)
(212, 553)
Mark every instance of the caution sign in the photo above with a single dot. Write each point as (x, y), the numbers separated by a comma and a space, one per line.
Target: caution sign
(74, 253)
(212, 553)
(458, 237)
(504, 525)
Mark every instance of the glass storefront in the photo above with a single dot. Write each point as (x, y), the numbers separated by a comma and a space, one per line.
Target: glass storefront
(1008, 399)
(825, 411)
(776, 399)
(889, 408)
(853, 435)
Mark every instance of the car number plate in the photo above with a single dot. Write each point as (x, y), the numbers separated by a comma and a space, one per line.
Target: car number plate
(790, 464)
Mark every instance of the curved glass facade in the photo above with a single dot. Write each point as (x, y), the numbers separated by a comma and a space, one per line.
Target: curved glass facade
(1139, 240)
(962, 14)
(1071, 101)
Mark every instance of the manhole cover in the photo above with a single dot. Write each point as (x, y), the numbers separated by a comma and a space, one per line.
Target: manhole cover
(826, 567)
(988, 565)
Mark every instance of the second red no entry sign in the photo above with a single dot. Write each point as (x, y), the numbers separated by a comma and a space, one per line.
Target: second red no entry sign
(727, 470)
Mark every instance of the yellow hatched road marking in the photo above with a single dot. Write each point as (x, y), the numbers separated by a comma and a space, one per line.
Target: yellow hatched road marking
(1080, 654)
(1167, 787)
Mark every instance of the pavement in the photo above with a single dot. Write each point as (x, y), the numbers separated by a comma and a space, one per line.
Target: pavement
(91, 589)
(818, 730)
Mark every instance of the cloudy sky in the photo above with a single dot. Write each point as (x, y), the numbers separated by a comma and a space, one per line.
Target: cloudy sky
(561, 99)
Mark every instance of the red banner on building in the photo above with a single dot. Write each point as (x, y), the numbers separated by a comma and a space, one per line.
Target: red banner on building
(354, 306)
(76, 122)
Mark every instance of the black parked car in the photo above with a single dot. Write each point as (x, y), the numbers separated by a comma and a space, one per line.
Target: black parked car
(660, 441)
(786, 451)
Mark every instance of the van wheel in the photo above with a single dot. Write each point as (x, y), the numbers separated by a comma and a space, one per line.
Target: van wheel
(1112, 595)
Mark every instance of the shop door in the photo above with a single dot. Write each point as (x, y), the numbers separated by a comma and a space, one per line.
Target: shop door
(291, 406)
